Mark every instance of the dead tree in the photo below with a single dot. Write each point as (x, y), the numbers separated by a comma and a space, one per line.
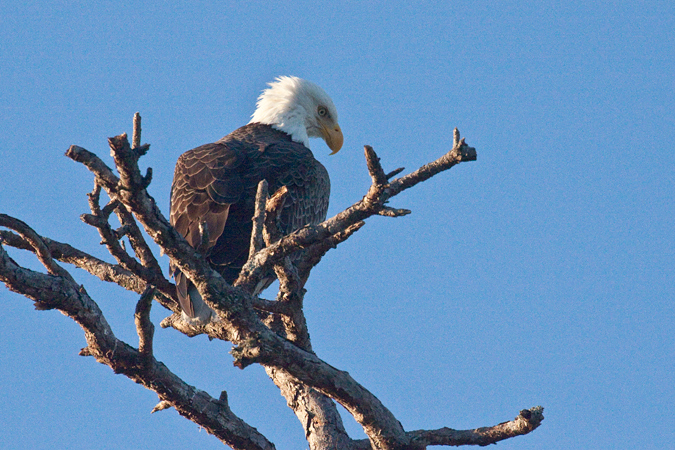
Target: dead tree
(272, 333)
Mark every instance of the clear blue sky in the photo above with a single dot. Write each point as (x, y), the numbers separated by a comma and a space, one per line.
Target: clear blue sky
(540, 274)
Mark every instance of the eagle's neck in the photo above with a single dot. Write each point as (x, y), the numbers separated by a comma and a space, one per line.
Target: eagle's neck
(282, 116)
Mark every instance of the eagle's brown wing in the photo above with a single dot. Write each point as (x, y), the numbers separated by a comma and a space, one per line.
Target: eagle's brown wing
(206, 183)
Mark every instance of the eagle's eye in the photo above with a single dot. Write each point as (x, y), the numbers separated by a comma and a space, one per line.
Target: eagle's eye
(323, 112)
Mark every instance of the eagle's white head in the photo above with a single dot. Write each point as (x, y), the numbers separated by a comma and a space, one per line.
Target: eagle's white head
(300, 108)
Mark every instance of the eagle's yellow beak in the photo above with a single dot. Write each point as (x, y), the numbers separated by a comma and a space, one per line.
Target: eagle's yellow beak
(333, 137)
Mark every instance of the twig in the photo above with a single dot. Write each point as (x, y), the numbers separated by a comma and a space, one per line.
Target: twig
(104, 175)
(110, 238)
(136, 136)
(374, 167)
(148, 269)
(259, 218)
(394, 172)
(144, 326)
(266, 232)
(162, 405)
(526, 421)
(273, 208)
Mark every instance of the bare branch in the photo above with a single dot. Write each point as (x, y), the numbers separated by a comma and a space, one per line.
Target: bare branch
(144, 326)
(374, 167)
(393, 212)
(372, 204)
(460, 153)
(148, 269)
(104, 175)
(394, 172)
(269, 234)
(136, 136)
(528, 420)
(141, 248)
(110, 238)
(307, 382)
(41, 251)
(258, 218)
(273, 208)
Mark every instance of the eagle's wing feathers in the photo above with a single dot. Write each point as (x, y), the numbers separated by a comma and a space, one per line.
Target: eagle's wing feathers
(206, 183)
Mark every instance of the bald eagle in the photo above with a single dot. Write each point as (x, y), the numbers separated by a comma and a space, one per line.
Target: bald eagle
(216, 183)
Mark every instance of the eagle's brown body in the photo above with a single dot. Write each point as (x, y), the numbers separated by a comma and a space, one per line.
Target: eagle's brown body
(216, 184)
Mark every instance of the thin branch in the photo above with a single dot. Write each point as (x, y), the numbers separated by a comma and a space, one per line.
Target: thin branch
(35, 240)
(388, 211)
(273, 208)
(460, 152)
(104, 175)
(136, 136)
(149, 270)
(290, 291)
(292, 295)
(374, 167)
(144, 326)
(394, 172)
(527, 421)
(258, 218)
(110, 237)
(107, 179)
(141, 248)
